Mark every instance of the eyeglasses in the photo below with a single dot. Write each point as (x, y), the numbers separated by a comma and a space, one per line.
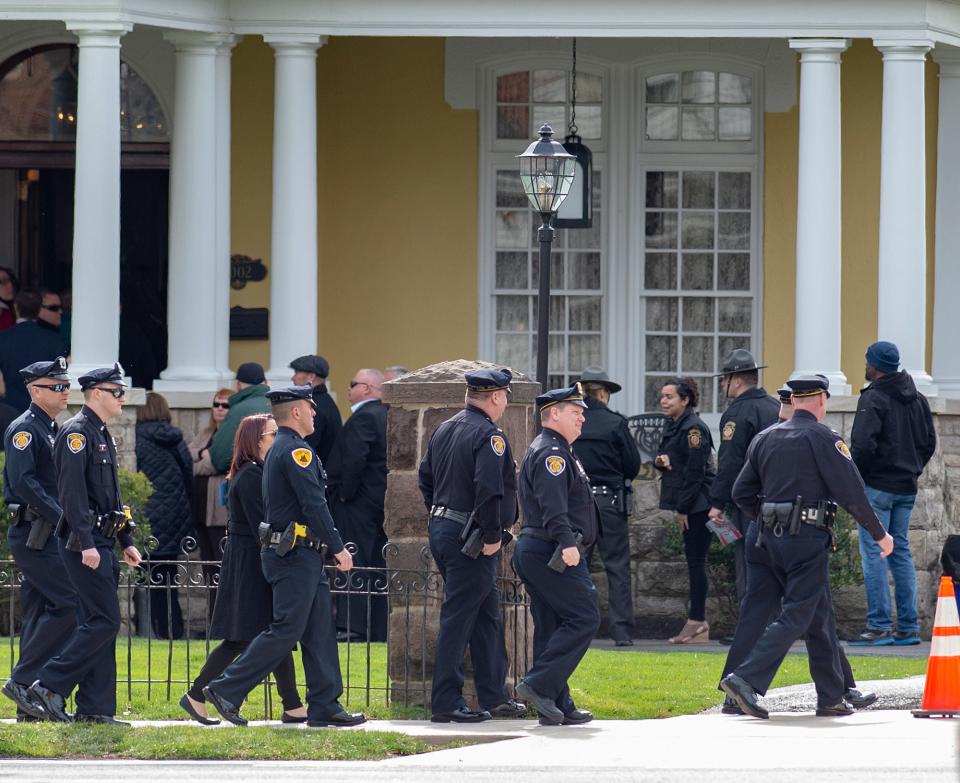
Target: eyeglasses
(52, 308)
(116, 393)
(224, 405)
(362, 383)
(269, 434)
(55, 387)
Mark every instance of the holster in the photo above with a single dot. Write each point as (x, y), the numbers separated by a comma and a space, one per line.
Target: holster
(472, 538)
(263, 533)
(40, 529)
(288, 539)
(15, 512)
(556, 559)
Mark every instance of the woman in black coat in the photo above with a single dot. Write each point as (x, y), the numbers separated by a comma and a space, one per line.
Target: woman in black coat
(163, 458)
(687, 470)
(244, 604)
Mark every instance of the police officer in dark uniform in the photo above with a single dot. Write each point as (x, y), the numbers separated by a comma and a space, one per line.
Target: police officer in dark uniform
(469, 487)
(314, 371)
(751, 411)
(93, 521)
(611, 458)
(30, 489)
(296, 533)
(560, 521)
(793, 474)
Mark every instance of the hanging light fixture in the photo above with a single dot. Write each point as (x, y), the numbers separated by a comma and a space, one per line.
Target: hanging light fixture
(577, 209)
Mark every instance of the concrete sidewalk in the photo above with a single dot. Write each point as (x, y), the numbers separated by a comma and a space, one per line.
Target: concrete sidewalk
(921, 650)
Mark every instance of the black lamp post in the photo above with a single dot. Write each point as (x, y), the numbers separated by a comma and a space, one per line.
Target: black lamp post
(546, 171)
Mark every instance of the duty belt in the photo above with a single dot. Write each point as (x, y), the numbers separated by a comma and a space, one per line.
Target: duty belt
(442, 512)
(21, 512)
(542, 535)
(309, 543)
(790, 515)
(110, 524)
(602, 489)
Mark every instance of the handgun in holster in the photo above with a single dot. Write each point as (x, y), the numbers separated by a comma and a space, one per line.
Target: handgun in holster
(40, 529)
(472, 538)
(556, 559)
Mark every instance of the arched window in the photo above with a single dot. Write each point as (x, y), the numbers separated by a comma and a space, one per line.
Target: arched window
(38, 99)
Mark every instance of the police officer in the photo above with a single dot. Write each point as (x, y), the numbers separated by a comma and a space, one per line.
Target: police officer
(30, 489)
(314, 370)
(297, 531)
(751, 411)
(468, 484)
(791, 477)
(611, 458)
(560, 521)
(93, 520)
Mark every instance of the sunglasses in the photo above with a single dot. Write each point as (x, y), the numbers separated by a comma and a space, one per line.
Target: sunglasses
(52, 308)
(224, 405)
(115, 393)
(54, 387)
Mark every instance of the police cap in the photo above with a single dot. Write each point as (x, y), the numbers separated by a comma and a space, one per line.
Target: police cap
(488, 380)
(311, 363)
(599, 376)
(572, 394)
(784, 393)
(738, 360)
(102, 375)
(809, 385)
(57, 370)
(291, 394)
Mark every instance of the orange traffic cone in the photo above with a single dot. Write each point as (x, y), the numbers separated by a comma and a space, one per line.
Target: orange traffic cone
(941, 695)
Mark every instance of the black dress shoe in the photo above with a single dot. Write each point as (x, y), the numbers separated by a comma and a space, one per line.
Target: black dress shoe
(342, 718)
(857, 699)
(730, 707)
(743, 694)
(26, 704)
(576, 717)
(624, 643)
(229, 711)
(461, 715)
(347, 636)
(509, 709)
(550, 714)
(22, 717)
(726, 640)
(187, 707)
(838, 710)
(286, 717)
(54, 705)
(107, 720)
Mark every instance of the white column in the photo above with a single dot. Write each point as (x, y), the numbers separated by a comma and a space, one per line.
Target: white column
(293, 248)
(902, 301)
(817, 339)
(192, 317)
(96, 221)
(223, 239)
(946, 312)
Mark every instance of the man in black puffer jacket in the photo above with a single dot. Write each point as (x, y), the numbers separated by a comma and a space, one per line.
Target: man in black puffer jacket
(893, 438)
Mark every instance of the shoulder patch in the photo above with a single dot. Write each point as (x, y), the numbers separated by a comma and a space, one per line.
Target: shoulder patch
(76, 442)
(729, 429)
(303, 457)
(842, 448)
(555, 465)
(498, 444)
(22, 439)
(694, 438)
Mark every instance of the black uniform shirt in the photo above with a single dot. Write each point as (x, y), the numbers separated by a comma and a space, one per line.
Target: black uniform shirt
(804, 458)
(745, 417)
(326, 423)
(29, 475)
(555, 491)
(606, 449)
(86, 460)
(294, 489)
(469, 467)
(686, 486)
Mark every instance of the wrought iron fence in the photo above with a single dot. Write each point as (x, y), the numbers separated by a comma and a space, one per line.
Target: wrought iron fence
(166, 606)
(647, 429)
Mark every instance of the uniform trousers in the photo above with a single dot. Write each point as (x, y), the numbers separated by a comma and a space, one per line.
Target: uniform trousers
(89, 658)
(565, 618)
(226, 653)
(301, 613)
(741, 522)
(48, 600)
(760, 606)
(800, 564)
(469, 616)
(614, 548)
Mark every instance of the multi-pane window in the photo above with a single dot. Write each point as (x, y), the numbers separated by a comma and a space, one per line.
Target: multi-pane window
(697, 299)
(528, 99)
(576, 281)
(698, 106)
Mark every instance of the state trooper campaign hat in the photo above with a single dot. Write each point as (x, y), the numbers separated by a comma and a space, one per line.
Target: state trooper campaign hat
(56, 370)
(599, 376)
(291, 394)
(311, 363)
(488, 380)
(102, 375)
(738, 360)
(572, 394)
(784, 393)
(809, 385)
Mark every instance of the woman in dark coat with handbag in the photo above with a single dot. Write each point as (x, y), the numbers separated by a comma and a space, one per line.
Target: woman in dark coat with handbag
(244, 604)
(685, 460)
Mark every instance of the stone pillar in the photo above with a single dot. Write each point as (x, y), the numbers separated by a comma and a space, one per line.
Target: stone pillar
(946, 314)
(96, 222)
(903, 234)
(225, 44)
(818, 212)
(192, 317)
(419, 402)
(293, 247)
